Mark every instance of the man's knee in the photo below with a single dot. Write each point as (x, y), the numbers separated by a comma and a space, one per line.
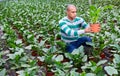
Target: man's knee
(70, 48)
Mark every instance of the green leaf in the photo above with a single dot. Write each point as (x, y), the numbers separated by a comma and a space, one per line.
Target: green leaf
(19, 41)
(21, 73)
(58, 58)
(13, 56)
(25, 65)
(101, 62)
(3, 72)
(42, 58)
(116, 58)
(83, 73)
(74, 73)
(111, 70)
(32, 68)
(42, 43)
(29, 47)
(78, 51)
(90, 74)
(84, 59)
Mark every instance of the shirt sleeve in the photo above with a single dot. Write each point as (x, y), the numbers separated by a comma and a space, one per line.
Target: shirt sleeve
(84, 24)
(70, 32)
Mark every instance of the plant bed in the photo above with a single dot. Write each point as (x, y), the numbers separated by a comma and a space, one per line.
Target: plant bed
(92, 58)
(20, 36)
(40, 63)
(102, 55)
(49, 73)
(47, 46)
(39, 39)
(65, 60)
(12, 73)
(48, 70)
(34, 53)
(79, 70)
(108, 54)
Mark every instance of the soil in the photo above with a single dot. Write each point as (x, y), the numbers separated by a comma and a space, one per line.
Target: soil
(5, 49)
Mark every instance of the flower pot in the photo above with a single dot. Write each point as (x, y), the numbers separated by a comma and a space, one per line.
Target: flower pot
(95, 27)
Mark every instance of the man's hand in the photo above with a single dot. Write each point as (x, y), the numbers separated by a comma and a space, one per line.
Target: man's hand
(88, 30)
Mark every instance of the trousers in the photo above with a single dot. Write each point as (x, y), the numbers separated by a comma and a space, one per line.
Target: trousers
(74, 45)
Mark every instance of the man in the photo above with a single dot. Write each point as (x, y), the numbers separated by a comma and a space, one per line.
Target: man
(71, 27)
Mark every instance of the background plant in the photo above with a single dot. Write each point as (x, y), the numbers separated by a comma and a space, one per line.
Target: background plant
(38, 20)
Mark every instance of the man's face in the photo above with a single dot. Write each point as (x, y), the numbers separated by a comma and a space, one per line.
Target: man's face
(71, 12)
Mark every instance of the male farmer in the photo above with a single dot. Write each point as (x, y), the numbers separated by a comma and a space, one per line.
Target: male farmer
(71, 27)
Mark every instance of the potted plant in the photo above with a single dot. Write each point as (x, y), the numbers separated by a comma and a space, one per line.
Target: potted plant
(94, 14)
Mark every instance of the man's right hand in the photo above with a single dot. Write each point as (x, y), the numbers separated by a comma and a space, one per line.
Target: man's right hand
(88, 30)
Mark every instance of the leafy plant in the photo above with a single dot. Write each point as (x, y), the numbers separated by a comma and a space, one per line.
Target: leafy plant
(94, 13)
(23, 20)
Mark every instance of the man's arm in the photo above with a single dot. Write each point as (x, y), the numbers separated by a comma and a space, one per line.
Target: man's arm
(69, 31)
(84, 24)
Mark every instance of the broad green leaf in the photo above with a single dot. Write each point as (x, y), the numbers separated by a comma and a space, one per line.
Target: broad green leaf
(60, 72)
(58, 58)
(29, 36)
(110, 70)
(25, 65)
(13, 56)
(84, 59)
(32, 68)
(20, 51)
(41, 43)
(83, 73)
(29, 47)
(52, 49)
(78, 51)
(87, 65)
(21, 73)
(42, 58)
(45, 50)
(74, 73)
(67, 65)
(116, 58)
(93, 68)
(3, 72)
(101, 62)
(19, 41)
(90, 74)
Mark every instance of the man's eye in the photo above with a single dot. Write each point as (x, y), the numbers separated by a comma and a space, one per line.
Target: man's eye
(74, 12)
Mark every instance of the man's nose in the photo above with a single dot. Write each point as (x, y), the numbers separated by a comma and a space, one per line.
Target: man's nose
(75, 13)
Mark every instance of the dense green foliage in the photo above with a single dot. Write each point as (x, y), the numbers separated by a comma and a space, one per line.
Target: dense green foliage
(32, 25)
